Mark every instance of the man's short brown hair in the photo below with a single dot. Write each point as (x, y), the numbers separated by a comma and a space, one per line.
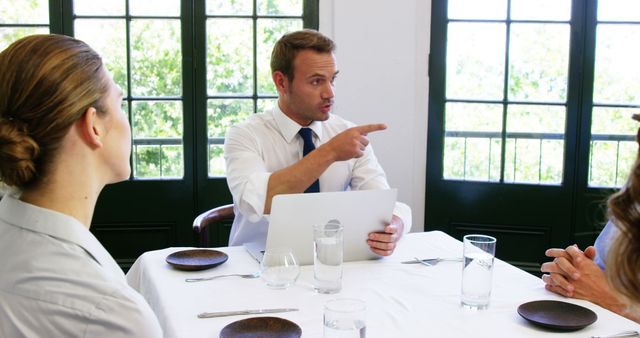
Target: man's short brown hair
(290, 44)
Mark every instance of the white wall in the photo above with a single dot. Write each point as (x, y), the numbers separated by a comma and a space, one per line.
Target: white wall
(382, 54)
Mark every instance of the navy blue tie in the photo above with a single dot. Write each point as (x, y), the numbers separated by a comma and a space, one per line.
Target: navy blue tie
(307, 137)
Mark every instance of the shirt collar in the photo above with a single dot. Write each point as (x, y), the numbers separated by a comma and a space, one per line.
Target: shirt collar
(55, 224)
(289, 128)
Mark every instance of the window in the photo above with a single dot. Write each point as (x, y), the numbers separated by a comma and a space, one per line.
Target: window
(142, 45)
(507, 91)
(530, 129)
(240, 37)
(616, 93)
(150, 74)
(22, 18)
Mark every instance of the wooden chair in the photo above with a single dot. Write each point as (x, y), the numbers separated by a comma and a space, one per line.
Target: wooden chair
(208, 219)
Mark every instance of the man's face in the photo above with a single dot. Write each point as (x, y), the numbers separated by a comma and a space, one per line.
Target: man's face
(309, 97)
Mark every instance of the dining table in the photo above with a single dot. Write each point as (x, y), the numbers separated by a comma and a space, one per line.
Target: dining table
(402, 300)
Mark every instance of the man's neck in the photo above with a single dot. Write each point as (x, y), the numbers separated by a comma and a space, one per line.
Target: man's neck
(292, 116)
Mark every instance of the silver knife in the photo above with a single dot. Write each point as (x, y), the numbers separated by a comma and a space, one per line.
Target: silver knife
(243, 312)
(432, 260)
(415, 261)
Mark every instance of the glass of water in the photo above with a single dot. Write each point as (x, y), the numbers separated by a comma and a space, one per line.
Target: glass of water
(345, 318)
(327, 257)
(279, 268)
(477, 270)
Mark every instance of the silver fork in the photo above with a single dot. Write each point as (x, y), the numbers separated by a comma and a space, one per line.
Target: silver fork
(241, 275)
(434, 261)
(623, 334)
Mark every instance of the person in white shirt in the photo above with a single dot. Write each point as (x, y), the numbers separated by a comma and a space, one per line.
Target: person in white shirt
(265, 156)
(63, 137)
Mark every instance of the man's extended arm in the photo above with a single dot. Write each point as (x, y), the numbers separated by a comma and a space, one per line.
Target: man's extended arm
(297, 177)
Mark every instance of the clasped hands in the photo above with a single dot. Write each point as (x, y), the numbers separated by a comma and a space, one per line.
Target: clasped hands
(573, 273)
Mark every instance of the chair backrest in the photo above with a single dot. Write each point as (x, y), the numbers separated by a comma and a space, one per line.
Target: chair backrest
(208, 219)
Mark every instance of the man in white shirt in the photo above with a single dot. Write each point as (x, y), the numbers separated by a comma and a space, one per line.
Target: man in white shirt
(268, 155)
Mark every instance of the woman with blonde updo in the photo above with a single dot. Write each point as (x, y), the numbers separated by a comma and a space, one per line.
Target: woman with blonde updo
(63, 137)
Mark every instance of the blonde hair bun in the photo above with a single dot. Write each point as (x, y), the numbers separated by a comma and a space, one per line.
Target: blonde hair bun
(18, 152)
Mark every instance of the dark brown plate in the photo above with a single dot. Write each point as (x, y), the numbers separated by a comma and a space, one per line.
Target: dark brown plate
(262, 327)
(557, 315)
(196, 259)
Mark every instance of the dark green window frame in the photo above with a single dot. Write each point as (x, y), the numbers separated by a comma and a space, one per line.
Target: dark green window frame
(194, 96)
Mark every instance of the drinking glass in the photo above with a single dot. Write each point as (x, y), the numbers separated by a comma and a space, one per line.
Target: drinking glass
(327, 257)
(279, 268)
(477, 270)
(345, 318)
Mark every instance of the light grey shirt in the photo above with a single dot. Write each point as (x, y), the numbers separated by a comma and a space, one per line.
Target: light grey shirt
(603, 243)
(57, 280)
(269, 142)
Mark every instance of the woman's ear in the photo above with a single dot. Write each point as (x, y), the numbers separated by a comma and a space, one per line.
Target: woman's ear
(91, 128)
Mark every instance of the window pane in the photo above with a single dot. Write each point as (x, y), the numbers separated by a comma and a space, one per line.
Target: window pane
(473, 117)
(266, 104)
(146, 161)
(229, 56)
(172, 162)
(158, 161)
(526, 161)
(157, 119)
(536, 119)
(474, 9)
(108, 38)
(478, 160)
(269, 31)
(454, 149)
(536, 155)
(618, 10)
(156, 68)
(617, 121)
(222, 114)
(613, 149)
(472, 141)
(24, 12)
(217, 165)
(551, 161)
(533, 161)
(541, 10)
(10, 34)
(226, 7)
(616, 68)
(156, 7)
(539, 62)
(92, 7)
(475, 60)
(611, 162)
(468, 158)
(280, 7)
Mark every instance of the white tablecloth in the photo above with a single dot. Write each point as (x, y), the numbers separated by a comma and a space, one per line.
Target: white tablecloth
(403, 300)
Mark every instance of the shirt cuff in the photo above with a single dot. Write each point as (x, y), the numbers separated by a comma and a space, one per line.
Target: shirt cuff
(403, 211)
(253, 198)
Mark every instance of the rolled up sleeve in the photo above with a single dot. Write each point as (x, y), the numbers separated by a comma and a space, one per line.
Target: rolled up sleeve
(247, 175)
